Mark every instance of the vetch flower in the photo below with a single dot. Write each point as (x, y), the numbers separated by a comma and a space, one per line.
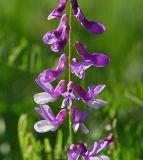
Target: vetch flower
(58, 38)
(91, 26)
(78, 68)
(94, 59)
(50, 122)
(69, 96)
(50, 75)
(57, 12)
(50, 94)
(98, 146)
(73, 152)
(89, 97)
(77, 119)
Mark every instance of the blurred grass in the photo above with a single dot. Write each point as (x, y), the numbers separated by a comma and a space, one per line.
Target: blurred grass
(23, 56)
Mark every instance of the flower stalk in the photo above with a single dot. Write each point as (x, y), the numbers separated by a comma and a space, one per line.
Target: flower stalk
(70, 61)
(57, 39)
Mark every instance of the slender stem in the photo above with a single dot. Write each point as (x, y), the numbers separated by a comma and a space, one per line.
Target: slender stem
(70, 75)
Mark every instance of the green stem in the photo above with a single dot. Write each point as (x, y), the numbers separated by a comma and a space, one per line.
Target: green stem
(70, 60)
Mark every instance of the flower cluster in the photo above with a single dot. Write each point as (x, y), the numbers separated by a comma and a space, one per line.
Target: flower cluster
(70, 91)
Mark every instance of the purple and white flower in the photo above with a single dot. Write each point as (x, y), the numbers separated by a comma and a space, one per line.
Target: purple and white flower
(92, 154)
(89, 97)
(50, 122)
(50, 94)
(77, 119)
(98, 146)
(58, 38)
(94, 59)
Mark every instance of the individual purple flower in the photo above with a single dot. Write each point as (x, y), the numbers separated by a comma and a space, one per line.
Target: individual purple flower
(98, 146)
(77, 119)
(73, 152)
(89, 97)
(58, 38)
(50, 122)
(50, 94)
(94, 59)
(69, 96)
(50, 75)
(78, 68)
(91, 26)
(58, 12)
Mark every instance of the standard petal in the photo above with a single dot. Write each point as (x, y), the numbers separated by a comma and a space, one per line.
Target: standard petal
(93, 91)
(57, 13)
(97, 147)
(96, 103)
(47, 87)
(44, 126)
(82, 93)
(61, 116)
(81, 50)
(50, 75)
(49, 37)
(62, 62)
(43, 98)
(46, 112)
(73, 153)
(60, 87)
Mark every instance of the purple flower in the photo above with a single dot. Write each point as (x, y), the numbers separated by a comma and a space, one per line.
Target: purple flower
(50, 122)
(69, 96)
(57, 13)
(94, 59)
(89, 97)
(50, 75)
(73, 152)
(77, 119)
(91, 26)
(58, 38)
(98, 146)
(50, 94)
(78, 68)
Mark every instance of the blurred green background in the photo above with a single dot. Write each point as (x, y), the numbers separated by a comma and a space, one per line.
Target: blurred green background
(23, 56)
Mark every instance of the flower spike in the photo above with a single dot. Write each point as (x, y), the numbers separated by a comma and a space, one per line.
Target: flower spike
(50, 75)
(92, 26)
(50, 122)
